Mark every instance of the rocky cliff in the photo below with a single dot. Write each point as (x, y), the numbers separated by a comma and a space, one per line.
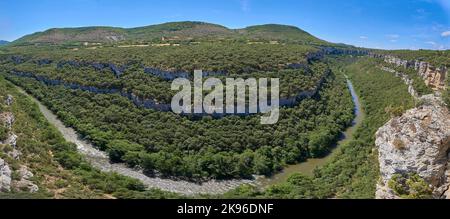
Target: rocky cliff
(414, 149)
(434, 77)
(416, 143)
(150, 103)
(23, 176)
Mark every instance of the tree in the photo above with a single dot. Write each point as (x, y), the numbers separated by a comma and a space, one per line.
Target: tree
(263, 164)
(245, 163)
(118, 148)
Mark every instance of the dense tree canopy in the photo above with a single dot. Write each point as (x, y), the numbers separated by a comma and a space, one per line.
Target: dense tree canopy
(193, 148)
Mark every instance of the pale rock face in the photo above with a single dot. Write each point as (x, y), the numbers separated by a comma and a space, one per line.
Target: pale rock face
(5, 176)
(417, 142)
(15, 154)
(9, 100)
(433, 77)
(25, 184)
(7, 118)
(12, 140)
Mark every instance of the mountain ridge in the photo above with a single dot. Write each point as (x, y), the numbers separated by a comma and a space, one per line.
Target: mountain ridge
(186, 30)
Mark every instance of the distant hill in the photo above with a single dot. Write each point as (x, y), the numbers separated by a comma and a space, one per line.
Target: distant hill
(279, 32)
(169, 31)
(3, 42)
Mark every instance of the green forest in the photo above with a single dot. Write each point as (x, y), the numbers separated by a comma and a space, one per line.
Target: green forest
(194, 149)
(208, 148)
(60, 171)
(351, 172)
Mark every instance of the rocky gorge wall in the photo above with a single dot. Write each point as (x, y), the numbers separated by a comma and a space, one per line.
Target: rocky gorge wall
(416, 143)
(164, 107)
(434, 77)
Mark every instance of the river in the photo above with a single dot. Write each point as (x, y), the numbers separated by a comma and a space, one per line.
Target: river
(307, 168)
(100, 160)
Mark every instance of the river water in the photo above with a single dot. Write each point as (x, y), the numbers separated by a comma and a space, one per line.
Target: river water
(307, 168)
(100, 160)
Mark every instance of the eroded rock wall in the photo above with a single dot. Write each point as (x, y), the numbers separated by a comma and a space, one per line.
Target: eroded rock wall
(23, 181)
(417, 142)
(434, 77)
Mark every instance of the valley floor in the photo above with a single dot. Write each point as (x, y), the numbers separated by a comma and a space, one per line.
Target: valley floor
(351, 173)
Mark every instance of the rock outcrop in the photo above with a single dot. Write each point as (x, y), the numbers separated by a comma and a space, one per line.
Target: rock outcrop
(24, 180)
(5, 176)
(9, 100)
(7, 118)
(24, 183)
(417, 142)
(150, 103)
(434, 77)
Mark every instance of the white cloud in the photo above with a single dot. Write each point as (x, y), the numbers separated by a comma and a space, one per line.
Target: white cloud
(442, 47)
(393, 41)
(445, 34)
(436, 46)
(363, 37)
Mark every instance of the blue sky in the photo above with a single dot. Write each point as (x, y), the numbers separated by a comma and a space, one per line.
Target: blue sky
(387, 24)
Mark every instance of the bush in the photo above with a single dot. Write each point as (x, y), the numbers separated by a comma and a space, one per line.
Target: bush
(3, 132)
(70, 160)
(118, 148)
(410, 186)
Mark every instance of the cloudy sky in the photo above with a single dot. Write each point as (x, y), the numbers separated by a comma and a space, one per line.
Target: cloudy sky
(387, 24)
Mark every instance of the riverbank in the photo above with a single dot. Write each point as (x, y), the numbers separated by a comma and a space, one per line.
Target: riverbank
(307, 168)
(100, 160)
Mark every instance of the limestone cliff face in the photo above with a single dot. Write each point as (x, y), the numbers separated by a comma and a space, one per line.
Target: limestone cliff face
(24, 180)
(418, 142)
(5, 176)
(434, 77)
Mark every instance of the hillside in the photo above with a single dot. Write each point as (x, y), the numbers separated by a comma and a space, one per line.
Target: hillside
(280, 32)
(173, 31)
(3, 42)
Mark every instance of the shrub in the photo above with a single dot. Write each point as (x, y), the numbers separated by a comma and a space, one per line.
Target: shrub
(410, 186)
